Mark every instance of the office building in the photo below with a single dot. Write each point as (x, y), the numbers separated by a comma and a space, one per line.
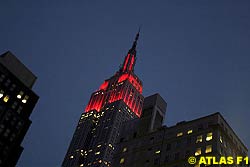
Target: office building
(17, 101)
(172, 146)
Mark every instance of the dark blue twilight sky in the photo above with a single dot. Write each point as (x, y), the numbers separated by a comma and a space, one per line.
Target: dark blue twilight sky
(196, 54)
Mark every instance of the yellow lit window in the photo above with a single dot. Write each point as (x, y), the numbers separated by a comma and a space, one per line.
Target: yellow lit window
(99, 145)
(71, 157)
(20, 94)
(121, 160)
(97, 153)
(158, 152)
(6, 98)
(198, 152)
(209, 136)
(190, 131)
(199, 139)
(208, 149)
(81, 165)
(179, 134)
(1, 93)
(221, 139)
(124, 149)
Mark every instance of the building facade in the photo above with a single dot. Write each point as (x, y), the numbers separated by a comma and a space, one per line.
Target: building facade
(17, 101)
(118, 99)
(172, 146)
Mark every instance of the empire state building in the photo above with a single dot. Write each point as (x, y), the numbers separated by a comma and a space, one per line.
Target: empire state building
(117, 100)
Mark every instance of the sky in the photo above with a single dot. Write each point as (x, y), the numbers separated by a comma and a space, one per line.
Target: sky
(194, 53)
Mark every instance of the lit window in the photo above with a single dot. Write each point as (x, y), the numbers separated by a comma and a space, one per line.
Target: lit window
(71, 157)
(158, 152)
(198, 152)
(6, 98)
(199, 139)
(124, 149)
(190, 131)
(99, 145)
(221, 139)
(81, 165)
(121, 160)
(179, 134)
(1, 93)
(25, 99)
(19, 96)
(209, 136)
(97, 153)
(208, 149)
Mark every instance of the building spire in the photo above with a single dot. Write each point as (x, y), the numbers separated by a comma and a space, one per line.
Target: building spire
(129, 61)
(136, 39)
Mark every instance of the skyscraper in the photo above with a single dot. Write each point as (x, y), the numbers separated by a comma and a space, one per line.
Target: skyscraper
(17, 101)
(118, 99)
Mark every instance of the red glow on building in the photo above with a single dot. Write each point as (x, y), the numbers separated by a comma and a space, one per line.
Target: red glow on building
(130, 91)
(96, 101)
(104, 85)
(132, 63)
(126, 62)
(132, 79)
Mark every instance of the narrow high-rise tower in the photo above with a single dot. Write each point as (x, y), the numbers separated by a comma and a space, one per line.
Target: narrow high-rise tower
(118, 99)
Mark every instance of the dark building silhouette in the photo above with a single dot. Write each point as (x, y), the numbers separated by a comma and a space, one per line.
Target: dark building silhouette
(17, 101)
(172, 146)
(120, 128)
(118, 99)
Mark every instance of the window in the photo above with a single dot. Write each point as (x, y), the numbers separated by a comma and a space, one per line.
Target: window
(197, 152)
(221, 139)
(124, 149)
(199, 139)
(25, 99)
(7, 83)
(6, 98)
(20, 94)
(158, 151)
(190, 131)
(208, 149)
(122, 160)
(2, 77)
(19, 109)
(1, 93)
(97, 153)
(179, 134)
(209, 136)
(14, 105)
